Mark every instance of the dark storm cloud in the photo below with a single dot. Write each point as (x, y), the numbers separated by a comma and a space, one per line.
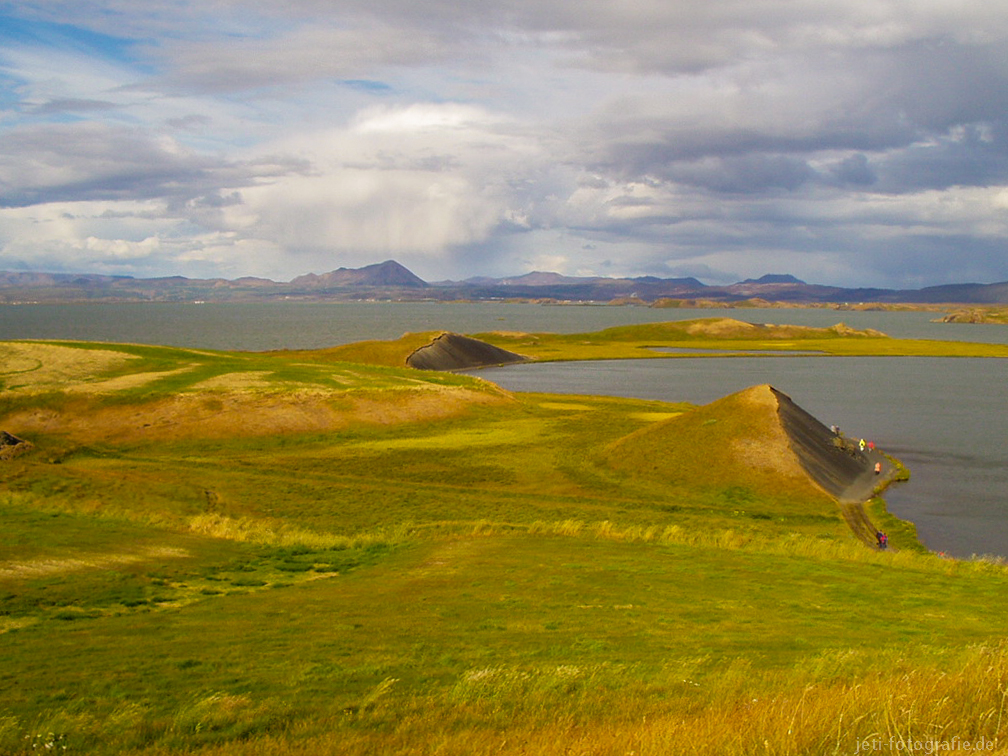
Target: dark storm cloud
(72, 106)
(745, 174)
(877, 102)
(87, 162)
(971, 155)
(855, 170)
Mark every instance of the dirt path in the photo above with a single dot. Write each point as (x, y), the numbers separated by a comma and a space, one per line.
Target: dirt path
(863, 488)
(860, 524)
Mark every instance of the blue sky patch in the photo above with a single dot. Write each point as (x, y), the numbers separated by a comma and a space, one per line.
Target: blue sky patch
(19, 31)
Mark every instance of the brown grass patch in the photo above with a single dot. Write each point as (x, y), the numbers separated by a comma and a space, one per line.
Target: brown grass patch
(771, 449)
(95, 561)
(767, 454)
(842, 329)
(36, 368)
(125, 382)
(426, 402)
(15, 623)
(40, 367)
(188, 416)
(728, 328)
(654, 417)
(721, 327)
(253, 379)
(227, 414)
(564, 406)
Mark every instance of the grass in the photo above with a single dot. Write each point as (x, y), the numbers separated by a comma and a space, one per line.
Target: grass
(728, 336)
(442, 568)
(645, 341)
(391, 353)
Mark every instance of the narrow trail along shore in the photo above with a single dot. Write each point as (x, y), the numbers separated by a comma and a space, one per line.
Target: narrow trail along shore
(863, 488)
(837, 464)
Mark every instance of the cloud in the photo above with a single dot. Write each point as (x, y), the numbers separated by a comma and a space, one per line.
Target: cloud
(71, 105)
(299, 55)
(843, 138)
(91, 161)
(415, 180)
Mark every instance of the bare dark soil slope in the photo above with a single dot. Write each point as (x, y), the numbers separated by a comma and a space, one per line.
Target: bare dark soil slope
(452, 351)
(833, 462)
(836, 464)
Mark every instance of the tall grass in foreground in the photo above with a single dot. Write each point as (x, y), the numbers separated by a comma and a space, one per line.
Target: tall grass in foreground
(737, 711)
(918, 700)
(267, 532)
(790, 544)
(277, 533)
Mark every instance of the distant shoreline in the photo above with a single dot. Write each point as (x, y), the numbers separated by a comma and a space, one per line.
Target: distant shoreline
(390, 281)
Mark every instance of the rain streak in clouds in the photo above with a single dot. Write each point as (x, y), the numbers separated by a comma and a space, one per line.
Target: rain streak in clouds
(846, 142)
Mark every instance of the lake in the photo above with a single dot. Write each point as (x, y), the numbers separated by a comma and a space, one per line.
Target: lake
(283, 325)
(947, 419)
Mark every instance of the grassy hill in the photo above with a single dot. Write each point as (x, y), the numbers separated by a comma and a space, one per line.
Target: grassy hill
(225, 553)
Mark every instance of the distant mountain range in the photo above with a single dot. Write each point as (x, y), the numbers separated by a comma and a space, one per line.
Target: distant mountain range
(390, 280)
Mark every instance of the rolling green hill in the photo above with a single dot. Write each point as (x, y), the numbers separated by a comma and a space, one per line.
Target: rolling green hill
(225, 553)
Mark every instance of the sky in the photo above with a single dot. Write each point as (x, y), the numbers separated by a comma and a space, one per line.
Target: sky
(847, 142)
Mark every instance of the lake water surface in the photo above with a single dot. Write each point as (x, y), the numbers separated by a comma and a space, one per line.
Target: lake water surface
(947, 419)
(284, 325)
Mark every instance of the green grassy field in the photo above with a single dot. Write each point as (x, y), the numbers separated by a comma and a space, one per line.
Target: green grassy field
(273, 554)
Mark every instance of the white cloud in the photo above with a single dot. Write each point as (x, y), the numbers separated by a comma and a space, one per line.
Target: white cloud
(421, 118)
(371, 211)
(418, 179)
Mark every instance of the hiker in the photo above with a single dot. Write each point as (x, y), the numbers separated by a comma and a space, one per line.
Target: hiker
(878, 468)
(871, 446)
(882, 538)
(862, 444)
